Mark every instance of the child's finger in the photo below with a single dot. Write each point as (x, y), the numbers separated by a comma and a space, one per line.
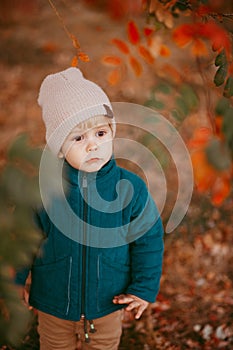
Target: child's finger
(122, 299)
(132, 305)
(140, 311)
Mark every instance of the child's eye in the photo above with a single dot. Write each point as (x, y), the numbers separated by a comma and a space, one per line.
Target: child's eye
(78, 138)
(101, 133)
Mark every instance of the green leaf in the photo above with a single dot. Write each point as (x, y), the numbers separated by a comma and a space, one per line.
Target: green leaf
(182, 106)
(164, 88)
(228, 127)
(220, 75)
(153, 103)
(177, 115)
(156, 148)
(222, 106)
(21, 149)
(218, 154)
(181, 5)
(228, 88)
(189, 96)
(221, 59)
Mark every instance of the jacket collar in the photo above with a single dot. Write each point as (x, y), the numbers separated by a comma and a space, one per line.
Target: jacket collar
(75, 176)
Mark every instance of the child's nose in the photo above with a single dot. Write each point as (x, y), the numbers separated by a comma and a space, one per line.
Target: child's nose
(91, 146)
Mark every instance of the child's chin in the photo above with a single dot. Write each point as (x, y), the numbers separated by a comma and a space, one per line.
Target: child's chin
(92, 167)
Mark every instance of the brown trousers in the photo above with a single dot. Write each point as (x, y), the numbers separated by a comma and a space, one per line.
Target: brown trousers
(58, 334)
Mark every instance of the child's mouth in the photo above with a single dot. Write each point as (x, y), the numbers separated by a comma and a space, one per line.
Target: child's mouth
(93, 160)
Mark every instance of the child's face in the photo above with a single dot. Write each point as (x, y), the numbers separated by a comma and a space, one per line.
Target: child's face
(88, 150)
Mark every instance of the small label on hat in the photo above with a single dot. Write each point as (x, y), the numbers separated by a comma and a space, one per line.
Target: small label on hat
(109, 112)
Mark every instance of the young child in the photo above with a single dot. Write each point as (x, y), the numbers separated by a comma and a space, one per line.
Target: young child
(111, 257)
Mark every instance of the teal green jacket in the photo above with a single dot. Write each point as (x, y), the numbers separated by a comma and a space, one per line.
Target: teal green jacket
(104, 238)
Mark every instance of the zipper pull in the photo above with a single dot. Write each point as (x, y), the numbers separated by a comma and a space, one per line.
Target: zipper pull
(92, 327)
(87, 339)
(84, 181)
(86, 335)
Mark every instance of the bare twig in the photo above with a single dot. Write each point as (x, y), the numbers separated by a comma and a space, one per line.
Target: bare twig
(69, 34)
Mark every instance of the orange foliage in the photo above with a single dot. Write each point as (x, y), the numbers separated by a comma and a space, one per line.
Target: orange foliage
(183, 35)
(121, 45)
(204, 174)
(199, 48)
(134, 38)
(208, 178)
(216, 34)
(203, 10)
(187, 33)
(164, 51)
(218, 125)
(220, 190)
(112, 60)
(80, 56)
(83, 57)
(200, 137)
(75, 41)
(74, 62)
(146, 55)
(172, 72)
(136, 66)
(114, 77)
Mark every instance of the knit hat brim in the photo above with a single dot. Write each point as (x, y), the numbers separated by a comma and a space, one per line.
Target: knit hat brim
(62, 131)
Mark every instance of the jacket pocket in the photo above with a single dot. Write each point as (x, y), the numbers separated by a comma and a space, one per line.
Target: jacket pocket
(51, 285)
(113, 279)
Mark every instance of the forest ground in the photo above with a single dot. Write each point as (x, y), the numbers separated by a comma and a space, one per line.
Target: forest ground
(194, 309)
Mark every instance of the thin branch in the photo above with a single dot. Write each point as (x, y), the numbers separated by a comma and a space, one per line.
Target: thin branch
(69, 34)
(207, 96)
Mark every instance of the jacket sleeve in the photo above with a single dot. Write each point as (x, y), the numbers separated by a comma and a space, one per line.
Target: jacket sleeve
(23, 273)
(147, 250)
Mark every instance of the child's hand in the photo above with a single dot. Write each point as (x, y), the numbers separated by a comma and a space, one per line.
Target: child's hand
(134, 303)
(23, 294)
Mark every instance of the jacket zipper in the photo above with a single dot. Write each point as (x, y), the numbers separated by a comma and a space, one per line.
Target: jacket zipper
(69, 279)
(84, 253)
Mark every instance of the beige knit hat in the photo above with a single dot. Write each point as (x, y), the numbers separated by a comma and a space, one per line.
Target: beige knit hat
(67, 99)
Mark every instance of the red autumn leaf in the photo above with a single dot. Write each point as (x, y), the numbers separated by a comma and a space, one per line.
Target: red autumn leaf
(123, 47)
(164, 51)
(114, 77)
(216, 34)
(220, 190)
(74, 62)
(203, 10)
(112, 60)
(148, 31)
(200, 137)
(183, 34)
(146, 55)
(199, 48)
(133, 33)
(136, 66)
(218, 125)
(204, 174)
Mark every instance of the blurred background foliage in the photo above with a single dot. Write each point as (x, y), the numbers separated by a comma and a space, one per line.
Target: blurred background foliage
(19, 239)
(174, 56)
